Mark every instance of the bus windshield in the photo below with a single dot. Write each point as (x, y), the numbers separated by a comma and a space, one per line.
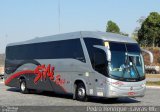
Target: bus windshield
(126, 62)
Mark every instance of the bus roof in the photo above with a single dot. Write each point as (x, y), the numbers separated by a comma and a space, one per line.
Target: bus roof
(93, 34)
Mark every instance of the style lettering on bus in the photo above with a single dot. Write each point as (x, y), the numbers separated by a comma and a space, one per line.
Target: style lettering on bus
(42, 72)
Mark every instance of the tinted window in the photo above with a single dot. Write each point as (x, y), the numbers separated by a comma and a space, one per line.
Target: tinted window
(133, 48)
(126, 62)
(97, 56)
(99, 61)
(47, 50)
(117, 46)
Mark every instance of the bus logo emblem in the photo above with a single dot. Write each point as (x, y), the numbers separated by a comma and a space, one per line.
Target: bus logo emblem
(131, 88)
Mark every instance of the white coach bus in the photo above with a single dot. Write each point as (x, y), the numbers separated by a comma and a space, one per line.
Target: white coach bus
(80, 63)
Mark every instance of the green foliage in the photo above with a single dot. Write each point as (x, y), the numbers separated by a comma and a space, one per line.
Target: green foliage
(155, 83)
(112, 27)
(149, 33)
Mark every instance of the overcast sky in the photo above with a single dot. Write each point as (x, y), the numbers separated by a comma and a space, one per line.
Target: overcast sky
(25, 19)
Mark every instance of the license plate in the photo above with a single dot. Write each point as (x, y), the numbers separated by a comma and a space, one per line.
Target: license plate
(131, 93)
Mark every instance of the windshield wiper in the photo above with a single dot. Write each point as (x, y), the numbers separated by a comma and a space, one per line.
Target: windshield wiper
(135, 68)
(125, 64)
(129, 67)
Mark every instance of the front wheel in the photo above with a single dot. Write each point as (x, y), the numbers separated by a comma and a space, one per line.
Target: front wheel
(23, 87)
(81, 92)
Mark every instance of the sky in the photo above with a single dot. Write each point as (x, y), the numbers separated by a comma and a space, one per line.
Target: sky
(22, 20)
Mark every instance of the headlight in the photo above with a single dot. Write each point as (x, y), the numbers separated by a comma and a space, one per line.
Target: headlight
(143, 85)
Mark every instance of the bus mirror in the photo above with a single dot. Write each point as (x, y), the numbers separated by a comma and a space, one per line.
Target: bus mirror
(149, 53)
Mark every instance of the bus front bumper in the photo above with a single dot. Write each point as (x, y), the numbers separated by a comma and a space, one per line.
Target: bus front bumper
(115, 92)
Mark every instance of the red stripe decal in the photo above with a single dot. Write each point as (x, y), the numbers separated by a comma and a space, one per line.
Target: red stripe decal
(31, 72)
(8, 80)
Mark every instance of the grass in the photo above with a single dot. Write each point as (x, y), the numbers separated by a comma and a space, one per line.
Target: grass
(152, 75)
(149, 83)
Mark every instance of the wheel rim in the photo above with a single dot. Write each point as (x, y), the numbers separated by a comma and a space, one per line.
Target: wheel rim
(81, 92)
(23, 86)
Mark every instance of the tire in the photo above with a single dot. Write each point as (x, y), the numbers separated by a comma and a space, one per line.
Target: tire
(23, 87)
(80, 93)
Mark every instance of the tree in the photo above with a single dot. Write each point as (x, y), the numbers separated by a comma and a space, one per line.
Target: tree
(112, 27)
(149, 33)
(135, 32)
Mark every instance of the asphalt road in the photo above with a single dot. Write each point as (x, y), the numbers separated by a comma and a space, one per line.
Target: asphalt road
(12, 97)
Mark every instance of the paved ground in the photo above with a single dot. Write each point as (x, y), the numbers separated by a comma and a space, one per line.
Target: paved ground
(12, 97)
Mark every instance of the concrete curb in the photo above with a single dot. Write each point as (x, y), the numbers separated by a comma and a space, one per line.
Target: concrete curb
(154, 87)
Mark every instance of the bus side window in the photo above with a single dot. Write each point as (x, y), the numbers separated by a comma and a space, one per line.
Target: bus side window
(99, 61)
(97, 56)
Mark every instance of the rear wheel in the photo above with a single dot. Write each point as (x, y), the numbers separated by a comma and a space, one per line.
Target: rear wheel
(80, 92)
(23, 87)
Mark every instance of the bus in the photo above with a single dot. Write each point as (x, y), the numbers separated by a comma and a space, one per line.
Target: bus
(83, 64)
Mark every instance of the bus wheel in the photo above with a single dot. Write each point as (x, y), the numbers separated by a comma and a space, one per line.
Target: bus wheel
(81, 92)
(23, 87)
